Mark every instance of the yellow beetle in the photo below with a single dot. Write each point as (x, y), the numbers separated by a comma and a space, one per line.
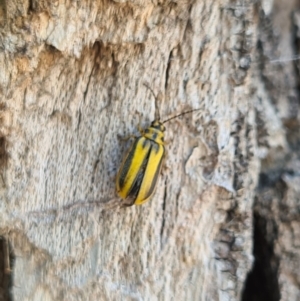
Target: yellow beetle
(139, 171)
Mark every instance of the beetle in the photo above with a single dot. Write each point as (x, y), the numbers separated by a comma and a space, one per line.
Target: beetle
(138, 174)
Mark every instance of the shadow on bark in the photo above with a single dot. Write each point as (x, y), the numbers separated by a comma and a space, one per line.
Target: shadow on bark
(262, 281)
(6, 265)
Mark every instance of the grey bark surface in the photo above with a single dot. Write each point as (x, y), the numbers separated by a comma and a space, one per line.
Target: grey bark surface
(72, 79)
(275, 274)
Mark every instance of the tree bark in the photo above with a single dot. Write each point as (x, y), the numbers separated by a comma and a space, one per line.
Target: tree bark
(223, 223)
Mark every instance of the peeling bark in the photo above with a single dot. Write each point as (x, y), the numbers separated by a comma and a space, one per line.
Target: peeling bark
(225, 213)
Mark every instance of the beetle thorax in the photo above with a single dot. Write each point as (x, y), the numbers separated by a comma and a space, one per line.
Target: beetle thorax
(155, 132)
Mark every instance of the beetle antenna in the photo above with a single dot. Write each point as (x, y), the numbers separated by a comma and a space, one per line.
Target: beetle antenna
(157, 116)
(187, 112)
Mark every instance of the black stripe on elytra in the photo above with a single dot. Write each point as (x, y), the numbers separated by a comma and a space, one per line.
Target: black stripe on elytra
(129, 159)
(135, 188)
(127, 163)
(138, 183)
(154, 180)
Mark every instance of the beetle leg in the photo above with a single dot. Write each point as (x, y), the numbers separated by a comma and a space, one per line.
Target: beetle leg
(127, 202)
(125, 138)
(141, 130)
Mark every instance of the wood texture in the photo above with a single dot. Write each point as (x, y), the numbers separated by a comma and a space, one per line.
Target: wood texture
(72, 79)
